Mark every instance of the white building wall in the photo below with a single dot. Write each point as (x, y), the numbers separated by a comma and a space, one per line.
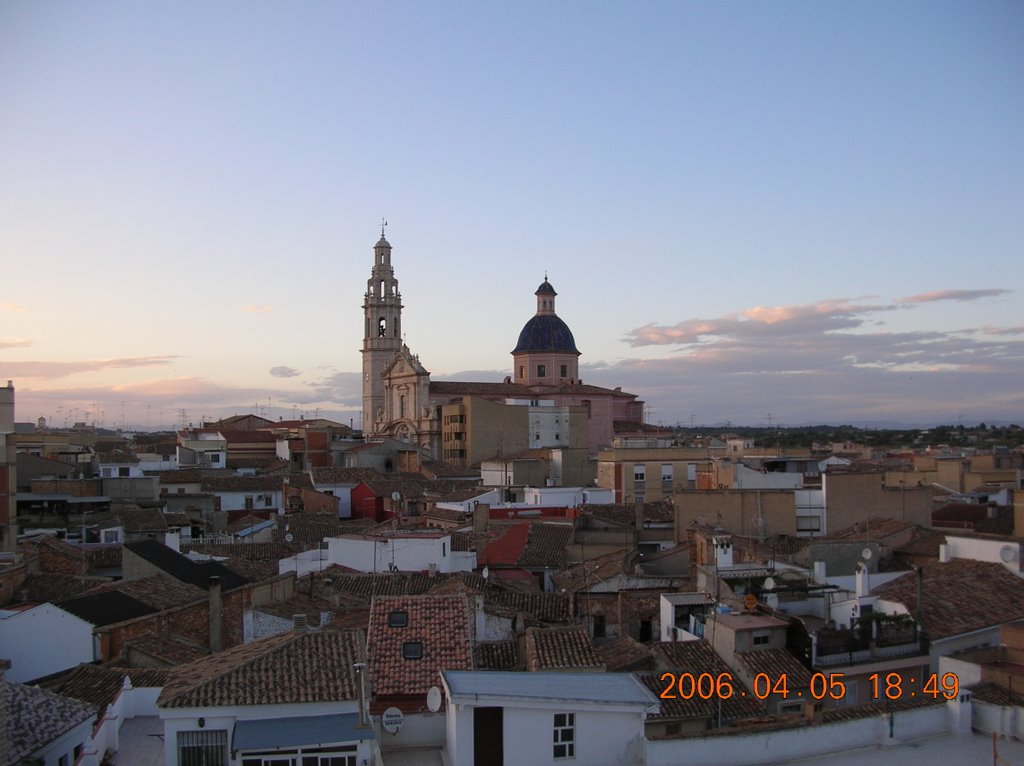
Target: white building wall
(43, 640)
(603, 738)
(187, 719)
(262, 500)
(793, 744)
(1002, 552)
(409, 554)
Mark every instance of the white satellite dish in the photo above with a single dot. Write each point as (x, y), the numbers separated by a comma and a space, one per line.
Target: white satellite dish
(867, 554)
(289, 537)
(396, 496)
(769, 583)
(392, 720)
(1008, 553)
(434, 699)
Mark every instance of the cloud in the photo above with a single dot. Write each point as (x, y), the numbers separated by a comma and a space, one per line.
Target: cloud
(760, 322)
(953, 295)
(11, 307)
(284, 372)
(254, 309)
(821, 362)
(14, 342)
(340, 388)
(51, 370)
(1003, 330)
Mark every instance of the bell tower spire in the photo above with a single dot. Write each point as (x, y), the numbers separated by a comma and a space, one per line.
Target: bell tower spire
(382, 330)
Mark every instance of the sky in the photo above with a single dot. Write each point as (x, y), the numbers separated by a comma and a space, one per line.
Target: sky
(753, 213)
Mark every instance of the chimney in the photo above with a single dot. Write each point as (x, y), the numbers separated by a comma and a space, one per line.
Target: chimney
(944, 553)
(432, 569)
(216, 615)
(820, 576)
(481, 517)
(863, 585)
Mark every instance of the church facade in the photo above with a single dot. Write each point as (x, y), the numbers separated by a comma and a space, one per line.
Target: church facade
(400, 401)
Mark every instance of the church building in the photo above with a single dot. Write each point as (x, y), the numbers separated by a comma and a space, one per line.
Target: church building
(401, 402)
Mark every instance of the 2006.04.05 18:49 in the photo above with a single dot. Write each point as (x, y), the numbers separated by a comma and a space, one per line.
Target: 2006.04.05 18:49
(707, 686)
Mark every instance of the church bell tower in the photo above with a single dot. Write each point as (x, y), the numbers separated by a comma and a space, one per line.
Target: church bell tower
(382, 332)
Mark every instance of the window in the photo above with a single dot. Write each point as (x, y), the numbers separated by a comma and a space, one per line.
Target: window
(639, 473)
(761, 638)
(412, 650)
(382, 327)
(215, 457)
(522, 372)
(248, 502)
(398, 618)
(599, 626)
(565, 735)
(123, 471)
(666, 472)
(564, 371)
(203, 748)
(542, 371)
(808, 523)
(106, 472)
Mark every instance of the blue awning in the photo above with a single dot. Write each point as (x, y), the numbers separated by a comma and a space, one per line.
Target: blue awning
(311, 730)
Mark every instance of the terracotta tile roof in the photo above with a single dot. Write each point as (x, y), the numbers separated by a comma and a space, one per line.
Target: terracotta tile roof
(994, 694)
(776, 664)
(599, 569)
(249, 551)
(874, 529)
(545, 548)
(925, 544)
(506, 548)
(440, 624)
(959, 596)
(34, 718)
(695, 657)
(447, 514)
(624, 654)
(463, 541)
(546, 607)
(158, 591)
(189, 475)
(253, 571)
(286, 669)
(330, 475)
(141, 520)
(99, 685)
(309, 529)
(877, 709)
(170, 650)
(116, 456)
(260, 464)
(496, 655)
(177, 519)
(241, 484)
(368, 585)
(43, 587)
(560, 649)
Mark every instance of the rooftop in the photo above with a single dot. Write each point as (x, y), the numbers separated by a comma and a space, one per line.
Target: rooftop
(290, 668)
(595, 688)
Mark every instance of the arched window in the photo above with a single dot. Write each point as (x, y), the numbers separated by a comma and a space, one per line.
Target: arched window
(401, 406)
(382, 327)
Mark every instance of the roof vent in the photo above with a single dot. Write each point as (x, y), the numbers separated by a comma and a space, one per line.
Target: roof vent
(299, 623)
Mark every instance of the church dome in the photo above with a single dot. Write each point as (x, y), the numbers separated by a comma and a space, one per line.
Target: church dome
(546, 332)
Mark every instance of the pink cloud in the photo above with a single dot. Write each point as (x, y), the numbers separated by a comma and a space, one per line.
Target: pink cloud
(255, 309)
(14, 342)
(50, 370)
(11, 307)
(953, 295)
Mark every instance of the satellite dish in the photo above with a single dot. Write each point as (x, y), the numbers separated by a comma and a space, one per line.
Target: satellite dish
(434, 699)
(769, 583)
(866, 554)
(392, 720)
(289, 537)
(396, 496)
(1008, 553)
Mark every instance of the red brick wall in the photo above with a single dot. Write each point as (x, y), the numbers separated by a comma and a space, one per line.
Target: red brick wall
(73, 487)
